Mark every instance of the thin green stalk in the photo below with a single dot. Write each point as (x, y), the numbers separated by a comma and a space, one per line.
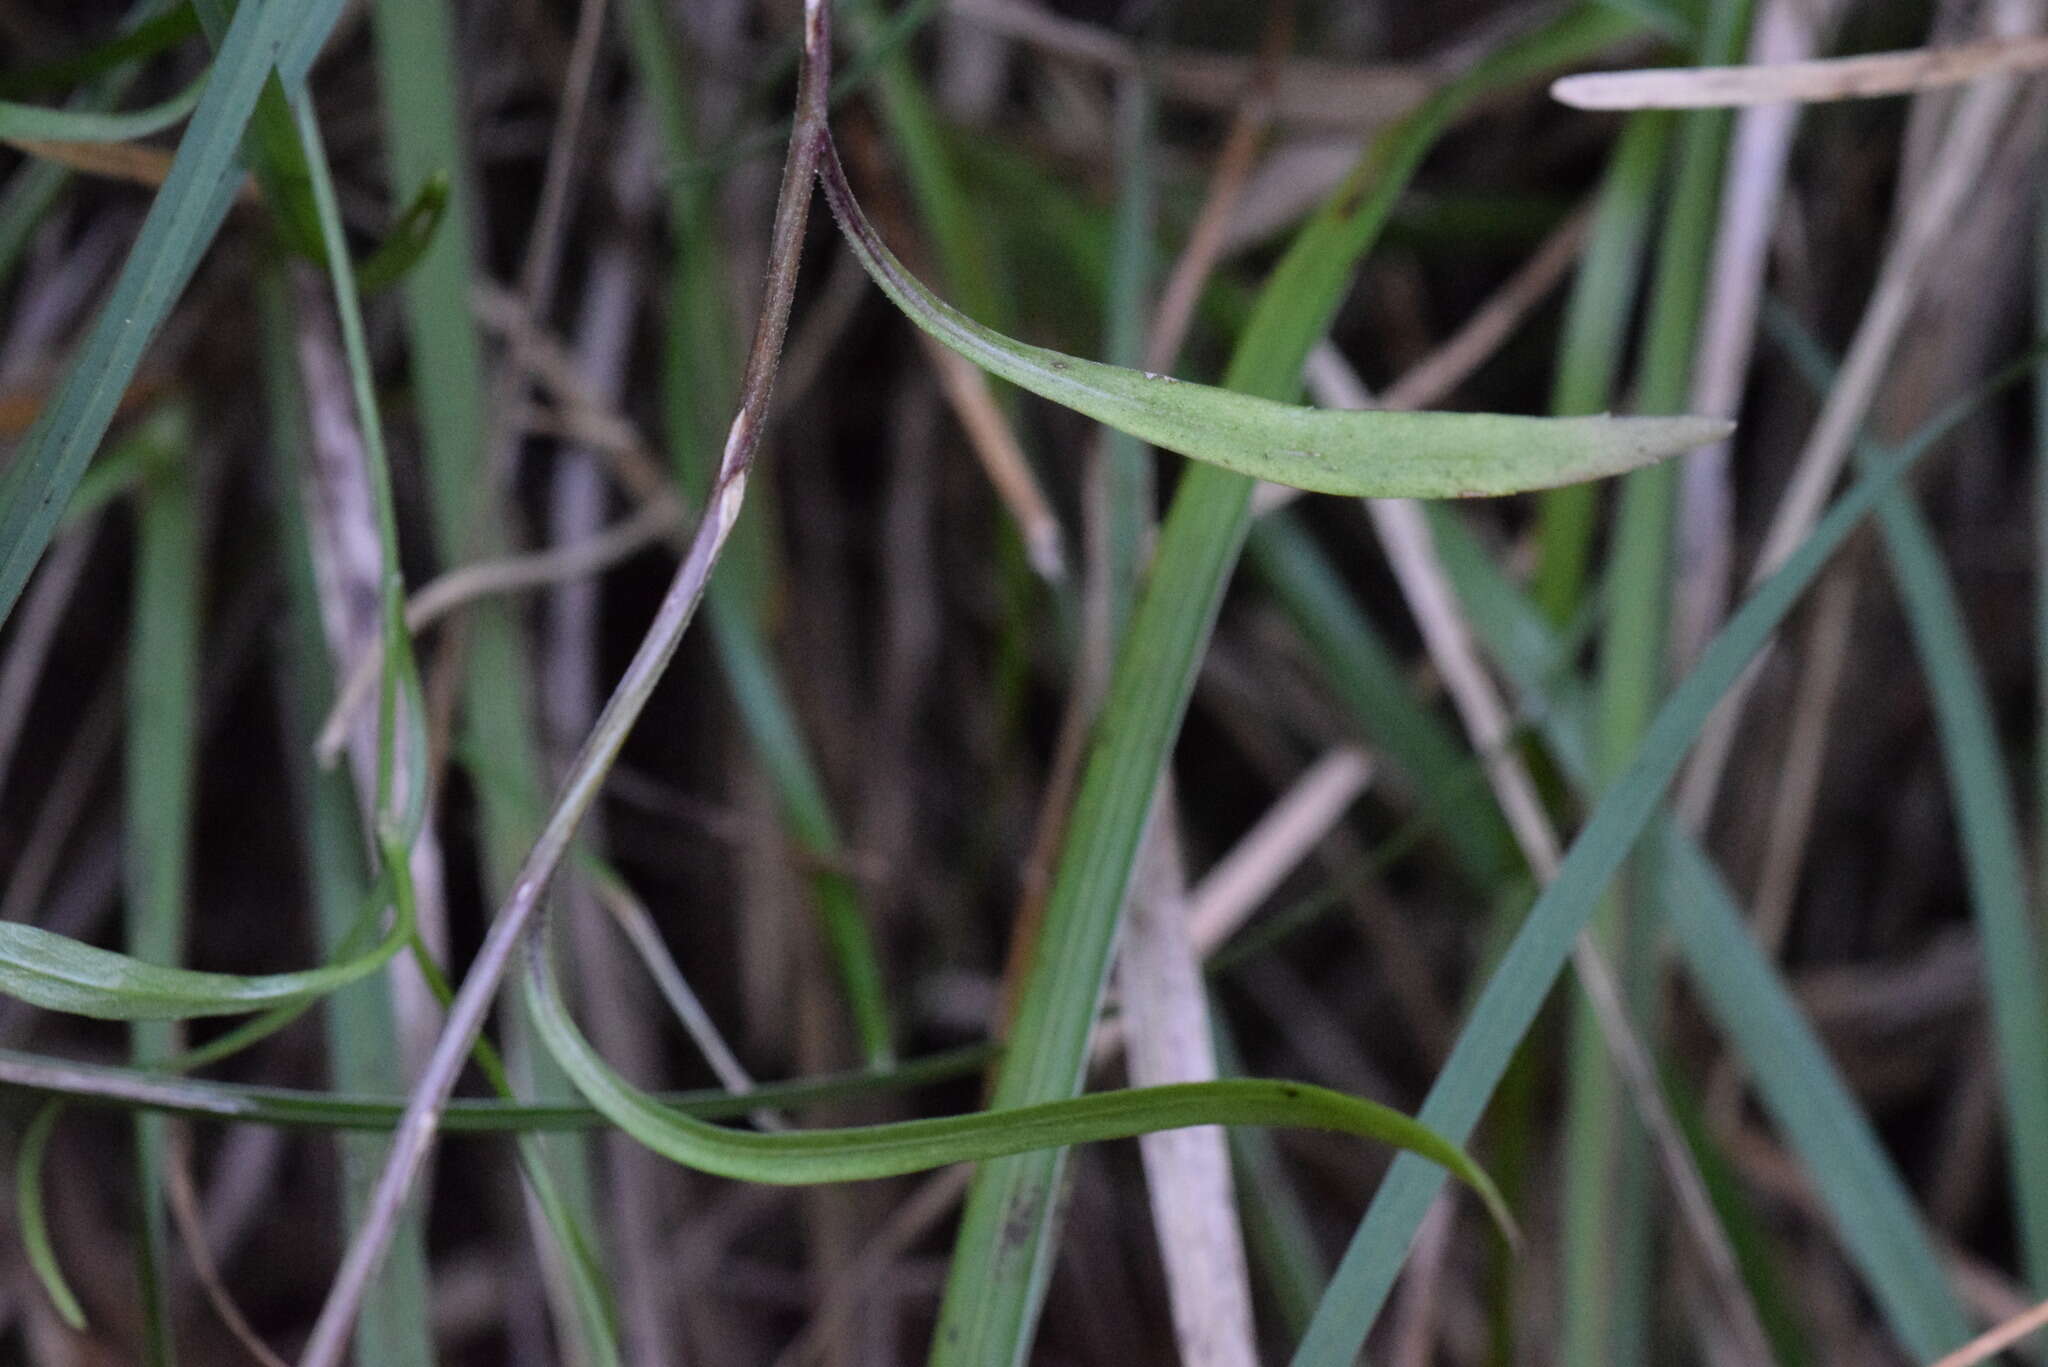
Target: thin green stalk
(1609, 1248)
(163, 683)
(1004, 1251)
(396, 830)
(1590, 349)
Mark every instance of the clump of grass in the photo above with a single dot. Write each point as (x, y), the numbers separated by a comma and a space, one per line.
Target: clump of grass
(418, 876)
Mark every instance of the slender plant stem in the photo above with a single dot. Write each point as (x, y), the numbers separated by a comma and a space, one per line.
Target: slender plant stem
(421, 1122)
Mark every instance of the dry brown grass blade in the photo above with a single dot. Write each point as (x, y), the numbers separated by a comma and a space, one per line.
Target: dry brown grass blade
(133, 162)
(466, 584)
(1804, 82)
(1991, 1343)
(1187, 1172)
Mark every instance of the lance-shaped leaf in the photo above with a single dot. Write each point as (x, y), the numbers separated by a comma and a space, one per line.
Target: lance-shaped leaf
(58, 973)
(1361, 454)
(35, 123)
(804, 1157)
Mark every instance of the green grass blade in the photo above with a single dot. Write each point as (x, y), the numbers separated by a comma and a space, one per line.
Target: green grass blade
(1856, 1181)
(1872, 1211)
(1988, 825)
(182, 220)
(805, 1157)
(29, 122)
(1508, 1005)
(1609, 1245)
(1590, 351)
(35, 1227)
(61, 974)
(406, 244)
(160, 764)
(1004, 1247)
(153, 1090)
(1800, 1086)
(1367, 453)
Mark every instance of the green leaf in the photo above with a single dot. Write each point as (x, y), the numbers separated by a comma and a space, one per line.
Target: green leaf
(35, 1227)
(1368, 454)
(61, 974)
(35, 123)
(412, 233)
(806, 1157)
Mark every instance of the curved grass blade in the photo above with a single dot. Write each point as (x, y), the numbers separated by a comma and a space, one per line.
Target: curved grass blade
(35, 1228)
(807, 1157)
(35, 123)
(151, 1089)
(411, 234)
(58, 973)
(1522, 981)
(1369, 454)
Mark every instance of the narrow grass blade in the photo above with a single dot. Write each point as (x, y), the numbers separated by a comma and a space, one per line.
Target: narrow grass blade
(1988, 825)
(1005, 1244)
(1450, 789)
(806, 1157)
(1609, 1245)
(1867, 1201)
(34, 123)
(160, 768)
(61, 974)
(151, 1089)
(182, 220)
(35, 1226)
(1590, 350)
(1508, 1005)
(1371, 454)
